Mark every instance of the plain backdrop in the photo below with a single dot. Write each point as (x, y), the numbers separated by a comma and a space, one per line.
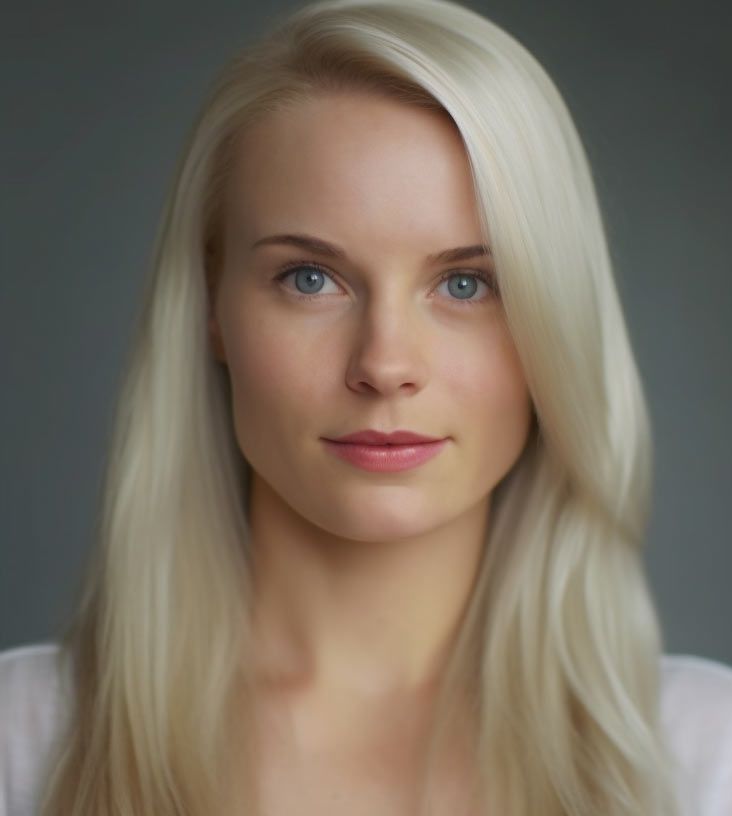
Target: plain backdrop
(97, 100)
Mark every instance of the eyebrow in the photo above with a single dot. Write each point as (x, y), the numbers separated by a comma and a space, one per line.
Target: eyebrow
(313, 244)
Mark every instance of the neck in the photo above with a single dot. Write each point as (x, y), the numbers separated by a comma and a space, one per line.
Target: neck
(376, 618)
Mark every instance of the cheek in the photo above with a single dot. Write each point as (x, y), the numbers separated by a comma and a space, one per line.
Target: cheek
(273, 371)
(491, 398)
(486, 374)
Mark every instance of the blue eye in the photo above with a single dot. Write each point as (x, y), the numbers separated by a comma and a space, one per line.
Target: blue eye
(308, 277)
(465, 284)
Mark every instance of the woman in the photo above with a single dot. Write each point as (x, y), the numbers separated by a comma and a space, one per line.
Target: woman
(384, 224)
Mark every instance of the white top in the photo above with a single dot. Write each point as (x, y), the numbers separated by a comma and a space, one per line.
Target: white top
(696, 704)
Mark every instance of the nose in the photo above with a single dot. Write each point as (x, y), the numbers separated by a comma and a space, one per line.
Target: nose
(389, 354)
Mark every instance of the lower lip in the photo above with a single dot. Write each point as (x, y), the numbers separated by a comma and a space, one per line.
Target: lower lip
(386, 458)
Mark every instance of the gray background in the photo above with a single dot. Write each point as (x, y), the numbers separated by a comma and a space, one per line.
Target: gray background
(97, 99)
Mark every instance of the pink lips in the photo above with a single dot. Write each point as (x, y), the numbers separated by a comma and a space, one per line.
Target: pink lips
(385, 452)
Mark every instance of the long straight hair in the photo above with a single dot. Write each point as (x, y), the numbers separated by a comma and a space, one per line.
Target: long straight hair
(558, 652)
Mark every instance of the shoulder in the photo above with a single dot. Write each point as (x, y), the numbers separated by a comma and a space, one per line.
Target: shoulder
(31, 713)
(23, 662)
(696, 712)
(696, 693)
(29, 683)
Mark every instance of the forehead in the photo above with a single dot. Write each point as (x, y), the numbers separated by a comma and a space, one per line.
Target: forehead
(367, 170)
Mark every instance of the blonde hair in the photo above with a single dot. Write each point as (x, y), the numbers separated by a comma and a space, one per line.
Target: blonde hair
(558, 653)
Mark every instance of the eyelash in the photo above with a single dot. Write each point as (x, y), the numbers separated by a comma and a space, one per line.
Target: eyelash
(487, 278)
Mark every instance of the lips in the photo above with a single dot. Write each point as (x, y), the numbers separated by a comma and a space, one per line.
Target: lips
(372, 437)
(385, 458)
(386, 451)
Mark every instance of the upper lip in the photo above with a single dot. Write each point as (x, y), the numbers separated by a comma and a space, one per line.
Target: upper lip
(371, 437)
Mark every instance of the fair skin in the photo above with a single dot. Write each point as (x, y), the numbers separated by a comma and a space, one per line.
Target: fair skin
(361, 577)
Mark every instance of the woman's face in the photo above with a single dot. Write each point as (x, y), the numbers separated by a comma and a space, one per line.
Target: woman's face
(376, 339)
